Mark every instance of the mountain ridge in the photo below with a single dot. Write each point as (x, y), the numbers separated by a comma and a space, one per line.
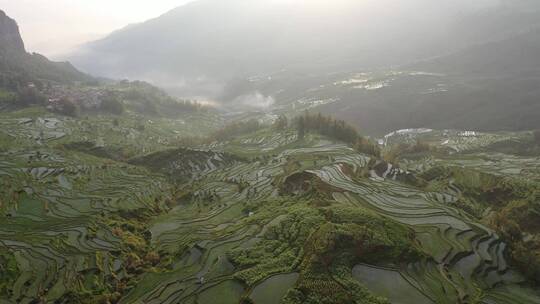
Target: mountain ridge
(10, 37)
(21, 67)
(198, 48)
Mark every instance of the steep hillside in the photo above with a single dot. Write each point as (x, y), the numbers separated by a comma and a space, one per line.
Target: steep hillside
(10, 38)
(32, 80)
(489, 86)
(514, 56)
(18, 68)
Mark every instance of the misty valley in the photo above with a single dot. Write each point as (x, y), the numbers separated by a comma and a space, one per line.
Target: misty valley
(272, 151)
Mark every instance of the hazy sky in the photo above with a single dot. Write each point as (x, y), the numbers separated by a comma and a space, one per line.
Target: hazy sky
(53, 27)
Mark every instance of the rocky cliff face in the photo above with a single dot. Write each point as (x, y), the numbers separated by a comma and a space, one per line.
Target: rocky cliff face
(18, 66)
(10, 37)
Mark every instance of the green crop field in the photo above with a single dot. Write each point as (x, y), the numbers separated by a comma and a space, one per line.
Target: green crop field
(100, 210)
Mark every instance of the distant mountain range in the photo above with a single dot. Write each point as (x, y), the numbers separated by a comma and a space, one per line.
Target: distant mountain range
(198, 48)
(261, 52)
(489, 86)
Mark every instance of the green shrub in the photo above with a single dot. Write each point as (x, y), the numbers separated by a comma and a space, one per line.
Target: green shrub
(67, 107)
(7, 97)
(111, 104)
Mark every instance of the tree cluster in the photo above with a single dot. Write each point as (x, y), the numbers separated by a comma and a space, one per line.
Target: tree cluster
(23, 89)
(111, 104)
(147, 99)
(325, 125)
(236, 128)
(513, 222)
(67, 107)
(336, 129)
(8, 97)
(392, 154)
(15, 81)
(281, 123)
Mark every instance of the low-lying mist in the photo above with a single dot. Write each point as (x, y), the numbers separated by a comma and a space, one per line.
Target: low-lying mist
(201, 48)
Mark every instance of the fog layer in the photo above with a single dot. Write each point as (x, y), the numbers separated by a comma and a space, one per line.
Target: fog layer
(200, 48)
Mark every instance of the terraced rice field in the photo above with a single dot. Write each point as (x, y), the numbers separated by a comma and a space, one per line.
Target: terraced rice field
(464, 253)
(273, 289)
(390, 283)
(76, 227)
(500, 164)
(454, 140)
(49, 217)
(136, 134)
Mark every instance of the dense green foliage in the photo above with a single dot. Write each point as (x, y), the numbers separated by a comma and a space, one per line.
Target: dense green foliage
(326, 125)
(347, 236)
(235, 129)
(111, 104)
(9, 271)
(335, 129)
(393, 153)
(146, 99)
(7, 97)
(515, 221)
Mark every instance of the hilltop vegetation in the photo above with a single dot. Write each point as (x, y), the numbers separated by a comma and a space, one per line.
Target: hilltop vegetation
(335, 129)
